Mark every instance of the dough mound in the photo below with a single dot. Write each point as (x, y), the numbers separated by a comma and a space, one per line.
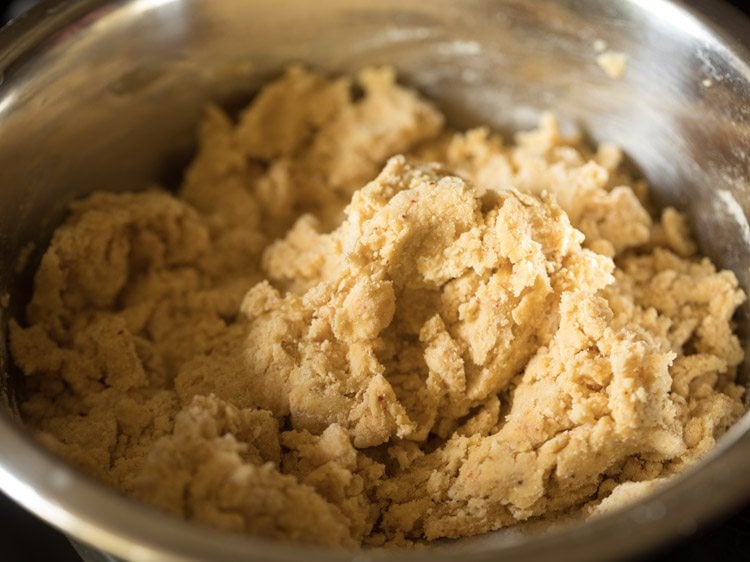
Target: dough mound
(354, 326)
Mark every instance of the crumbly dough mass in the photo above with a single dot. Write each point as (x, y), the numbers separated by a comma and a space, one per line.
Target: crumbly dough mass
(355, 326)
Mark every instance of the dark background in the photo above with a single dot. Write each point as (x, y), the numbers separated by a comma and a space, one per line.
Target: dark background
(24, 538)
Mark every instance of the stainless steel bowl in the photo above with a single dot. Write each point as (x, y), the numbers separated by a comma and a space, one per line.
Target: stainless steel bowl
(105, 94)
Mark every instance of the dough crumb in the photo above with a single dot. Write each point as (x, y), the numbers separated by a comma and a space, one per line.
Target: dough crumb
(625, 494)
(600, 45)
(613, 63)
(353, 326)
(23, 257)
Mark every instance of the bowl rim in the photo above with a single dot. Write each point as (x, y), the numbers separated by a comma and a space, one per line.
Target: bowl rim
(100, 516)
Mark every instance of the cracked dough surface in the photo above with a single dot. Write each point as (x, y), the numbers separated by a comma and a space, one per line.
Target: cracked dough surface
(354, 326)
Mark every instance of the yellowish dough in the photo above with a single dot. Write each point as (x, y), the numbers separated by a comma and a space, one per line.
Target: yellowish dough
(353, 326)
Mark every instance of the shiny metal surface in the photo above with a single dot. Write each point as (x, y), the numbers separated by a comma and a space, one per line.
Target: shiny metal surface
(105, 94)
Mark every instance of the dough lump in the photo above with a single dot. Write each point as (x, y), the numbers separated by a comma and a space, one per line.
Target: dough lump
(355, 326)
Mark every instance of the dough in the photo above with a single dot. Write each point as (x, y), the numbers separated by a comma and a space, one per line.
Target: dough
(354, 326)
